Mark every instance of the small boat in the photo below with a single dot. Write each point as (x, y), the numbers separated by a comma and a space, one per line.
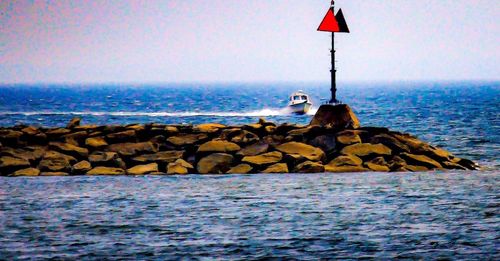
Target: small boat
(299, 103)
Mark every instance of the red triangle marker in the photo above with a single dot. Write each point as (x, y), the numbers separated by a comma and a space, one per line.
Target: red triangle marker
(329, 23)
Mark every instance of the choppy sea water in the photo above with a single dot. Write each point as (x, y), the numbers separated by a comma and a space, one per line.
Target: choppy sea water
(366, 215)
(426, 216)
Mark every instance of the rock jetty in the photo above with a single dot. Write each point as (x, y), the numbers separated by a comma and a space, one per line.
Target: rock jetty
(263, 147)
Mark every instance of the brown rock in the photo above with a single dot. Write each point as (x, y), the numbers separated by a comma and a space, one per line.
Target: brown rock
(397, 164)
(240, 169)
(216, 163)
(81, 168)
(254, 149)
(348, 138)
(218, 146)
(75, 122)
(123, 136)
(32, 154)
(106, 171)
(10, 137)
(335, 116)
(143, 169)
(69, 149)
(451, 165)
(264, 159)
(421, 160)
(26, 172)
(208, 128)
(378, 164)
(171, 130)
(344, 169)
(187, 139)
(245, 137)
(413, 168)
(30, 130)
(96, 143)
(56, 133)
(391, 142)
(53, 173)
(325, 142)
(468, 164)
(77, 136)
(179, 167)
(100, 158)
(56, 162)
(366, 149)
(55, 155)
(309, 167)
(9, 165)
(276, 168)
(346, 160)
(133, 149)
(307, 151)
(270, 129)
(164, 157)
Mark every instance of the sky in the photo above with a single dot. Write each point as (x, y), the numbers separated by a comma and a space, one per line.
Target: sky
(134, 41)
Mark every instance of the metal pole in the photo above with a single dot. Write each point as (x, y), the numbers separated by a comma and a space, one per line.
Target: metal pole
(333, 71)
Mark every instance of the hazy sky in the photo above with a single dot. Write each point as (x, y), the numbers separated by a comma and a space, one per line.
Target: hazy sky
(246, 40)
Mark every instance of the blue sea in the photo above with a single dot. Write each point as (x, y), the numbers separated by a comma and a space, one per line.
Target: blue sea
(436, 215)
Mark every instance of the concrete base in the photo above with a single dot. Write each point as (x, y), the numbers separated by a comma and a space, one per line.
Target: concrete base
(336, 116)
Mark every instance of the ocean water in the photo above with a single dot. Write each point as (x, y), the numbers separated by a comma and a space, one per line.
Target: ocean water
(436, 215)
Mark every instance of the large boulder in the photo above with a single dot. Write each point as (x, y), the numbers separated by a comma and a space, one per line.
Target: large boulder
(10, 137)
(346, 160)
(108, 159)
(26, 172)
(208, 128)
(9, 165)
(81, 168)
(307, 151)
(391, 142)
(254, 149)
(421, 160)
(245, 137)
(143, 169)
(75, 122)
(335, 116)
(106, 171)
(264, 159)
(32, 154)
(162, 157)
(240, 169)
(276, 168)
(179, 167)
(366, 149)
(324, 142)
(56, 162)
(69, 149)
(133, 149)
(187, 139)
(96, 142)
(218, 146)
(216, 163)
(309, 167)
(348, 137)
(378, 164)
(123, 136)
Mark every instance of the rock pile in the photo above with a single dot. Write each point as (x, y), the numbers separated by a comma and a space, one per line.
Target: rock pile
(263, 147)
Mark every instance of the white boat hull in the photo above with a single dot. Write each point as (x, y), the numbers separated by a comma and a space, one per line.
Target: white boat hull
(300, 108)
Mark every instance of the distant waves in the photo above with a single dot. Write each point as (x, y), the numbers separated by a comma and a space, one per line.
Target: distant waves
(255, 113)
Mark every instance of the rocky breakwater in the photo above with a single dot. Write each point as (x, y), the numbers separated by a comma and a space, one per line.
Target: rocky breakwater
(263, 147)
